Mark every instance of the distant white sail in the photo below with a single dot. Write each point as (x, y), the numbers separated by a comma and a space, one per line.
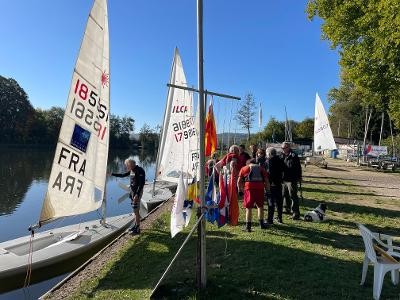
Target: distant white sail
(323, 138)
(177, 151)
(78, 174)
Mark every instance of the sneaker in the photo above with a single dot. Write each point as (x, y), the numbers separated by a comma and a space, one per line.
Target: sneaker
(296, 217)
(279, 221)
(264, 225)
(134, 230)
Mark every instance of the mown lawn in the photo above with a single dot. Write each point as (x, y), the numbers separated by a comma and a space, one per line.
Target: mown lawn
(296, 260)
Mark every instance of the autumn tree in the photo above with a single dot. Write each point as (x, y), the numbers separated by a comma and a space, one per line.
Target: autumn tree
(304, 129)
(366, 33)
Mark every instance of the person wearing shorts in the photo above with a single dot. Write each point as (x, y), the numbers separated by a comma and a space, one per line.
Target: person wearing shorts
(253, 181)
(137, 181)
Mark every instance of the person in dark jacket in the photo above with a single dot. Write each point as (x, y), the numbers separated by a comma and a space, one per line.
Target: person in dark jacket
(275, 170)
(291, 177)
(137, 181)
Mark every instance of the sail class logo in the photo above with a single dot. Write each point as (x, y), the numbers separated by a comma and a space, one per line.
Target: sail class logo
(105, 79)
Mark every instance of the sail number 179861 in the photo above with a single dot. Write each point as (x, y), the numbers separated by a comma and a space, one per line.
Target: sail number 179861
(90, 116)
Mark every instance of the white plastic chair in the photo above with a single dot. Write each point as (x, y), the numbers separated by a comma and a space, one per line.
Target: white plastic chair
(383, 263)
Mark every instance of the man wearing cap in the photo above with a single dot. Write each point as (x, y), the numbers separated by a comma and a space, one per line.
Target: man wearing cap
(291, 177)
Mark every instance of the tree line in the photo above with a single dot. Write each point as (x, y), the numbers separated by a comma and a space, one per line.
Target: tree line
(366, 35)
(21, 123)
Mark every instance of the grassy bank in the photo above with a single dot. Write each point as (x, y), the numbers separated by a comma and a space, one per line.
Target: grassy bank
(296, 260)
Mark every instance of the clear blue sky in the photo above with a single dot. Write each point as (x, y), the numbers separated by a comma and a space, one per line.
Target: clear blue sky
(268, 48)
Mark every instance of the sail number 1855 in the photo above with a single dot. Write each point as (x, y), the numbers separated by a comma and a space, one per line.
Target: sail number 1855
(90, 116)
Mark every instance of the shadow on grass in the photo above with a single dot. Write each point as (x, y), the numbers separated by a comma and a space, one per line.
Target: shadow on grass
(336, 169)
(336, 192)
(348, 208)
(335, 178)
(247, 266)
(346, 184)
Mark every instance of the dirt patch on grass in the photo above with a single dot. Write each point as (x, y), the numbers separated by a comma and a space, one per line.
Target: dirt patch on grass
(95, 266)
(357, 183)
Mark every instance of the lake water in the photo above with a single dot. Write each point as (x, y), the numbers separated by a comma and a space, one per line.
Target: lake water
(24, 175)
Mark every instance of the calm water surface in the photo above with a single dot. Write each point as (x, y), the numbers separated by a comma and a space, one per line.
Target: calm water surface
(23, 181)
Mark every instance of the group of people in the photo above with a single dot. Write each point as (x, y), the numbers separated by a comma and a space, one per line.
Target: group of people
(258, 176)
(263, 175)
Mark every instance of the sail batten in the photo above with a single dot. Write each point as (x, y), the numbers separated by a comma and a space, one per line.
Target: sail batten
(78, 174)
(323, 137)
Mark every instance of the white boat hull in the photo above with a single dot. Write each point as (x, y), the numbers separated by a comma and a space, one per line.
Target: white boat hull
(162, 192)
(55, 246)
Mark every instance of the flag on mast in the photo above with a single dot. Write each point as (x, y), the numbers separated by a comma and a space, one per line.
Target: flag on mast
(210, 132)
(260, 117)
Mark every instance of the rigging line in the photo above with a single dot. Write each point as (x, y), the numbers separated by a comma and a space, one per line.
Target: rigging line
(229, 127)
(177, 253)
(217, 122)
(29, 267)
(185, 115)
(223, 134)
(236, 123)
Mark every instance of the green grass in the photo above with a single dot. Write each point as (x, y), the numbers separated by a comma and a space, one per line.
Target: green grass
(297, 260)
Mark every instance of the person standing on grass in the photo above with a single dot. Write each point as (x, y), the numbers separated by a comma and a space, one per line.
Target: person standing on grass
(291, 177)
(137, 181)
(275, 171)
(253, 181)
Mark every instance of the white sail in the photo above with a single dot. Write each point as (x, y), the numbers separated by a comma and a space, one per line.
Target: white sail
(323, 138)
(78, 174)
(177, 152)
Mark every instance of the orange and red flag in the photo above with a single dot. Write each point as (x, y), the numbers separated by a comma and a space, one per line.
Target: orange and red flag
(211, 132)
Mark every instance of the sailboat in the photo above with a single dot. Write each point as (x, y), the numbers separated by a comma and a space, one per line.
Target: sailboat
(178, 151)
(77, 182)
(179, 145)
(323, 137)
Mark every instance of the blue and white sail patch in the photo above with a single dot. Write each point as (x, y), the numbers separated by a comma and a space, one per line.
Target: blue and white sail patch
(80, 138)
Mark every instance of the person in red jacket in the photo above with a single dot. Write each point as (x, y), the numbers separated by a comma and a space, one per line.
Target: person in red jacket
(253, 180)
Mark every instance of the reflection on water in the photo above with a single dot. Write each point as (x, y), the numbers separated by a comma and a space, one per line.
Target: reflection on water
(23, 182)
(23, 169)
(18, 168)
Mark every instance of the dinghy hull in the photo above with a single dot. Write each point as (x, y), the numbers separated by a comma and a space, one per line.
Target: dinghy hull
(54, 249)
